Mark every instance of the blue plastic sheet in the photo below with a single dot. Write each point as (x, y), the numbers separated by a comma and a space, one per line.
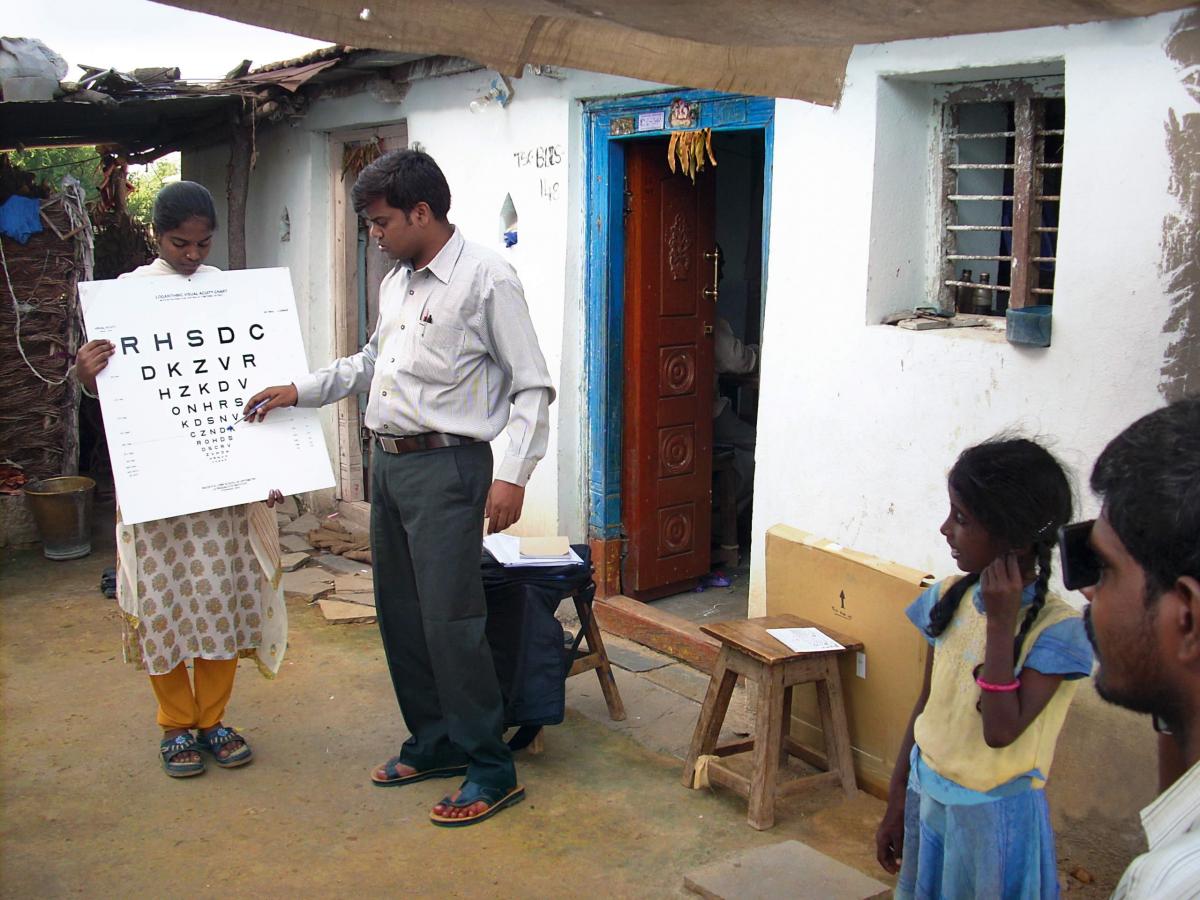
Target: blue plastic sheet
(20, 218)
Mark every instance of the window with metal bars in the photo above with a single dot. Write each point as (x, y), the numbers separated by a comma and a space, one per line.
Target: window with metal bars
(1002, 178)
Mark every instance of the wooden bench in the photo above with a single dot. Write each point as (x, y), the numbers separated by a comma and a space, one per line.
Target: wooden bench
(747, 649)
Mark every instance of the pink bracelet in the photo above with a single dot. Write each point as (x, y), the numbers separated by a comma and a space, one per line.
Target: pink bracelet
(999, 688)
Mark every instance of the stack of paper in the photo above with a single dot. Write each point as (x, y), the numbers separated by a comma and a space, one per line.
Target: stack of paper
(805, 640)
(508, 551)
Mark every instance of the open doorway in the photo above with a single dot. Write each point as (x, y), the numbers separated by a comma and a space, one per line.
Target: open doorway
(692, 322)
(359, 267)
(742, 129)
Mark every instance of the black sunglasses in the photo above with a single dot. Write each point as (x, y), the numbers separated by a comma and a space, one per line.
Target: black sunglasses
(1080, 565)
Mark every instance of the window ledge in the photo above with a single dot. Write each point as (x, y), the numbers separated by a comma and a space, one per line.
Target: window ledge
(992, 332)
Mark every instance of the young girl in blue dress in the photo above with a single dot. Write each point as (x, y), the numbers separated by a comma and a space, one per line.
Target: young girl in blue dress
(966, 815)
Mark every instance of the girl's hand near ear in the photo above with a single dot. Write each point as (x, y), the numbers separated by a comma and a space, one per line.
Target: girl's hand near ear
(1001, 585)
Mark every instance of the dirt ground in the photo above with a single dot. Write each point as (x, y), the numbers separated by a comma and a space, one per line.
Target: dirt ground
(86, 809)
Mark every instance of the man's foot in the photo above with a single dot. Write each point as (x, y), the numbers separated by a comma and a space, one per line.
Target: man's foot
(473, 803)
(228, 748)
(395, 773)
(180, 756)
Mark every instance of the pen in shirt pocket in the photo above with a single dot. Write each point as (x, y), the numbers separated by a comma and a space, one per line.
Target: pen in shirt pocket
(427, 319)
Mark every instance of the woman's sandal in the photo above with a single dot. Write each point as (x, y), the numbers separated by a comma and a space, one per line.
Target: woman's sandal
(216, 738)
(471, 793)
(173, 747)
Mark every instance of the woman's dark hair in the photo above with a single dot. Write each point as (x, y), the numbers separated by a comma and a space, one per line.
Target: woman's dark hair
(1019, 493)
(403, 178)
(179, 201)
(1149, 478)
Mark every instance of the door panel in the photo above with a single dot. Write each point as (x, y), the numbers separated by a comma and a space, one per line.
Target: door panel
(667, 437)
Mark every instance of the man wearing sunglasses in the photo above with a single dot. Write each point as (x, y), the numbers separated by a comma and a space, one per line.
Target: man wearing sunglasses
(1139, 565)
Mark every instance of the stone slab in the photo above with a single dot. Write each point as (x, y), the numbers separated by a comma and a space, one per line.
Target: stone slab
(303, 525)
(290, 562)
(787, 869)
(357, 583)
(337, 612)
(633, 661)
(289, 507)
(307, 584)
(358, 598)
(294, 543)
(340, 565)
(683, 680)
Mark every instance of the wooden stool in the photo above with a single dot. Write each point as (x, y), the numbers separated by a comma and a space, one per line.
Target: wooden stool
(596, 657)
(747, 649)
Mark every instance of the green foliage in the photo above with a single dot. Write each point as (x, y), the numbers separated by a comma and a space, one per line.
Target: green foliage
(50, 164)
(147, 184)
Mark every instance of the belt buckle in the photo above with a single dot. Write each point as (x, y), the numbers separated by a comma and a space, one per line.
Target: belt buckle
(389, 444)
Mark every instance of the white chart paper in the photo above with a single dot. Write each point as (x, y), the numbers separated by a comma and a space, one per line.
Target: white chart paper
(805, 640)
(189, 352)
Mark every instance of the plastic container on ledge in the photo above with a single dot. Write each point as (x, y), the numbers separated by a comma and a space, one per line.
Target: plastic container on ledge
(1029, 327)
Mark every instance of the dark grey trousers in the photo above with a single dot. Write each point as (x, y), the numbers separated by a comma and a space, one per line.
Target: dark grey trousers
(426, 526)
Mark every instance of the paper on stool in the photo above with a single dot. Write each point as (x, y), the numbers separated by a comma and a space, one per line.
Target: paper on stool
(805, 640)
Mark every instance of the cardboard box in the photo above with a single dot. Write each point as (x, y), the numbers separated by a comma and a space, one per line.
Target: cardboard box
(864, 597)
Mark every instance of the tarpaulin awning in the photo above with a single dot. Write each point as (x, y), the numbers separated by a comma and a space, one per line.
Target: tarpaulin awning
(778, 48)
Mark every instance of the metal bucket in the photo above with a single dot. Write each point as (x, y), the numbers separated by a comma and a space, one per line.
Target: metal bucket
(62, 509)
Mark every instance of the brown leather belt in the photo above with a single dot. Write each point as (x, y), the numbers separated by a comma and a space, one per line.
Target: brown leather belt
(430, 440)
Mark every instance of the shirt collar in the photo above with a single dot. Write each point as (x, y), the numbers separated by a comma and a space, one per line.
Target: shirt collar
(1175, 812)
(442, 265)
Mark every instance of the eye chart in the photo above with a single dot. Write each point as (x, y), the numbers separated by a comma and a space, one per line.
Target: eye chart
(189, 352)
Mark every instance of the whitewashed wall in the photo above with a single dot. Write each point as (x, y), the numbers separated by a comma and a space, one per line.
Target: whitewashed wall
(860, 422)
(485, 156)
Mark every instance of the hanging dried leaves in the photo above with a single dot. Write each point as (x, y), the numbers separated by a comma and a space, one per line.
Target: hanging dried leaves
(688, 150)
(356, 157)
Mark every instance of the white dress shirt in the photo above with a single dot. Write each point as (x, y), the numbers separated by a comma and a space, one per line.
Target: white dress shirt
(730, 356)
(454, 348)
(1171, 868)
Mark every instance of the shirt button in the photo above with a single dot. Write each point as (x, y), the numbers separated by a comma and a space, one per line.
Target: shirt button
(393, 359)
(402, 327)
(410, 293)
(384, 393)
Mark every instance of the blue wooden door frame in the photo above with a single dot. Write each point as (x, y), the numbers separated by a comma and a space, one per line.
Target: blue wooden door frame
(605, 250)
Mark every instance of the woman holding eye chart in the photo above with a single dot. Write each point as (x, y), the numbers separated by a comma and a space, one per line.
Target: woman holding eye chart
(203, 587)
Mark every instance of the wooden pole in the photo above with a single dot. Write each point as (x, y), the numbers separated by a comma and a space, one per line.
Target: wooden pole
(236, 189)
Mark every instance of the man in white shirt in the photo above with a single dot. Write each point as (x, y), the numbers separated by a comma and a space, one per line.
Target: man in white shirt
(1144, 621)
(731, 356)
(453, 361)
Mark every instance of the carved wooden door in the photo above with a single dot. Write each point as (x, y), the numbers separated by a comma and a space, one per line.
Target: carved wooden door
(666, 478)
